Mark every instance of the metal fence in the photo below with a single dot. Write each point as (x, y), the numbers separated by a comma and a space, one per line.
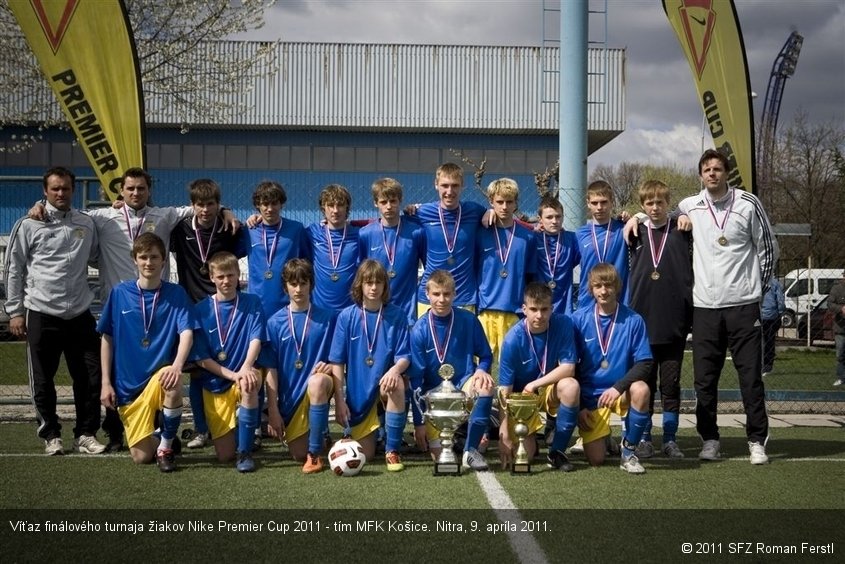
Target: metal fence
(800, 382)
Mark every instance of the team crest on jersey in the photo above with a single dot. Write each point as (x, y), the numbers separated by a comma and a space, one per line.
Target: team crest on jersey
(149, 227)
(79, 233)
(698, 19)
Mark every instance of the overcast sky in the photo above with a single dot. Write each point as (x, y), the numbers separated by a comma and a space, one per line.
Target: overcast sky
(664, 118)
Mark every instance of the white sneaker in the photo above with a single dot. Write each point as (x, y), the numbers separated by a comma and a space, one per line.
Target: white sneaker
(53, 447)
(631, 465)
(672, 450)
(578, 447)
(839, 382)
(474, 460)
(758, 453)
(645, 449)
(88, 444)
(199, 440)
(710, 450)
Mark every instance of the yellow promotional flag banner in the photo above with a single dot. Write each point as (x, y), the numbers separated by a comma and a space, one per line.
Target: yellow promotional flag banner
(87, 53)
(711, 38)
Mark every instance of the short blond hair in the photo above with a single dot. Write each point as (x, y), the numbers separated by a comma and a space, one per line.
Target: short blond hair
(504, 187)
(651, 189)
(605, 273)
(600, 188)
(450, 170)
(388, 188)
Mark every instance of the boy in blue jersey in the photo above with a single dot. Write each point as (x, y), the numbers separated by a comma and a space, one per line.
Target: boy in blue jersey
(300, 385)
(506, 260)
(601, 240)
(334, 249)
(273, 242)
(661, 292)
(557, 254)
(150, 322)
(370, 347)
(447, 335)
(539, 356)
(614, 362)
(229, 343)
(397, 243)
(451, 227)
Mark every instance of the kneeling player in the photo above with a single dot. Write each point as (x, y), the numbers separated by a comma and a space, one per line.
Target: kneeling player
(233, 326)
(370, 346)
(300, 386)
(145, 320)
(614, 363)
(447, 340)
(529, 346)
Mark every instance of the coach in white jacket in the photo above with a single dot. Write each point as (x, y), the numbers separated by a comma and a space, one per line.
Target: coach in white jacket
(734, 255)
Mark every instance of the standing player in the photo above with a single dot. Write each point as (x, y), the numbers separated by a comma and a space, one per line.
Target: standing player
(451, 227)
(334, 249)
(601, 240)
(734, 254)
(397, 243)
(614, 362)
(49, 302)
(273, 242)
(150, 322)
(300, 385)
(505, 255)
(448, 340)
(661, 292)
(370, 346)
(539, 356)
(229, 342)
(193, 241)
(557, 254)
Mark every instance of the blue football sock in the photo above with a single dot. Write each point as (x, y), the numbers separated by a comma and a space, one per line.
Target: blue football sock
(567, 418)
(647, 431)
(670, 425)
(171, 418)
(394, 424)
(318, 421)
(195, 395)
(479, 421)
(247, 422)
(637, 421)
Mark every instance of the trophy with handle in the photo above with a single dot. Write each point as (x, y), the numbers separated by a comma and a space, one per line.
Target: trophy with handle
(446, 408)
(521, 406)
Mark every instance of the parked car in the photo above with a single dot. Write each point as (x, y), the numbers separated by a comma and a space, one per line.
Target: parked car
(804, 289)
(821, 322)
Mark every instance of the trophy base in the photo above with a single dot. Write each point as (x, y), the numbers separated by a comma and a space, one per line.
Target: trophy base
(521, 468)
(447, 469)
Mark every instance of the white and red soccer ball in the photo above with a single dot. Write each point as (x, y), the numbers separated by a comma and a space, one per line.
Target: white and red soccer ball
(346, 457)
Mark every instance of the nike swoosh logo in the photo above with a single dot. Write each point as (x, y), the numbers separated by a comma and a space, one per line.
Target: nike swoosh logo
(285, 339)
(255, 244)
(213, 330)
(586, 245)
(374, 248)
(526, 361)
(125, 311)
(589, 340)
(488, 250)
(190, 238)
(701, 21)
(355, 338)
(429, 351)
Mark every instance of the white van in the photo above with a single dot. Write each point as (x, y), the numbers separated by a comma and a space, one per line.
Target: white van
(804, 289)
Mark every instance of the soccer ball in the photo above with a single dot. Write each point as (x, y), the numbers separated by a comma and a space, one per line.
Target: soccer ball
(347, 457)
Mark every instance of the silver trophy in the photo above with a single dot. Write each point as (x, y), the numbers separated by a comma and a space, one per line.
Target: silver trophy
(446, 408)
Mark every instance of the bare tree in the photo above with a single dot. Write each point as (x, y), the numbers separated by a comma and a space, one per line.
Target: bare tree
(627, 177)
(624, 179)
(181, 62)
(807, 185)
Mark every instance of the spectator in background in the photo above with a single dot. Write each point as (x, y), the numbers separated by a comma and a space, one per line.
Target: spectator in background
(771, 310)
(836, 304)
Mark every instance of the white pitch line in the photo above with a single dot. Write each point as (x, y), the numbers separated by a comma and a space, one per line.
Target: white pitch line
(524, 545)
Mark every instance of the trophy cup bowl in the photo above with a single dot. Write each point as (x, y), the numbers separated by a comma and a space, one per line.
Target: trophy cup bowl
(521, 406)
(446, 409)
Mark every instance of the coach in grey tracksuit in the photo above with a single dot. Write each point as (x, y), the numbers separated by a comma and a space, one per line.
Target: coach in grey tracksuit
(49, 304)
(734, 254)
